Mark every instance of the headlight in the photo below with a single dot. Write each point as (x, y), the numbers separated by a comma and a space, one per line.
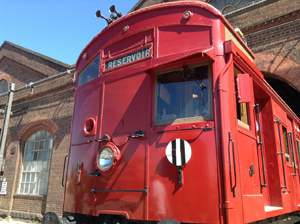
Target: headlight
(105, 158)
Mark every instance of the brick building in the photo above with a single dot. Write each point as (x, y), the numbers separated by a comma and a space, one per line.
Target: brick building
(39, 130)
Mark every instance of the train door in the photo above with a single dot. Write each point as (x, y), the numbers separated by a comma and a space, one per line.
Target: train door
(266, 150)
(291, 163)
(285, 159)
(121, 187)
(249, 163)
(79, 183)
(259, 126)
(182, 148)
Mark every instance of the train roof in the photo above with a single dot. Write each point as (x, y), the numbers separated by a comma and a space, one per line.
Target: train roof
(198, 4)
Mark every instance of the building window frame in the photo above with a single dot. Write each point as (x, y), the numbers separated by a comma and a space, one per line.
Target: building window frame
(229, 6)
(36, 161)
(4, 86)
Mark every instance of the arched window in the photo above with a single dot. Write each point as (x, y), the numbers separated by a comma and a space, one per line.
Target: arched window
(36, 163)
(3, 86)
(226, 6)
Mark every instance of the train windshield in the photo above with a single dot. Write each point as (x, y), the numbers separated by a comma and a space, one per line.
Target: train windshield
(183, 95)
(90, 72)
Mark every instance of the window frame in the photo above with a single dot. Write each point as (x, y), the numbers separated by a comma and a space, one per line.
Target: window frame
(286, 144)
(187, 119)
(298, 151)
(33, 176)
(4, 80)
(3, 185)
(224, 9)
(98, 56)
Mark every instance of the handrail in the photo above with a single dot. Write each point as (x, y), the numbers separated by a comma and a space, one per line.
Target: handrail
(185, 129)
(63, 176)
(261, 148)
(283, 168)
(293, 154)
(234, 167)
(145, 191)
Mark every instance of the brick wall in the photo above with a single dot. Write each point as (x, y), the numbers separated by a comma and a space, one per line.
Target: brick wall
(31, 60)
(58, 108)
(273, 34)
(253, 17)
(50, 108)
(30, 204)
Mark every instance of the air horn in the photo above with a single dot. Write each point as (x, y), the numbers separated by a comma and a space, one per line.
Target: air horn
(99, 15)
(112, 10)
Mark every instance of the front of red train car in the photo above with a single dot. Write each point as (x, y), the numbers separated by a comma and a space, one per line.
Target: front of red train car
(143, 144)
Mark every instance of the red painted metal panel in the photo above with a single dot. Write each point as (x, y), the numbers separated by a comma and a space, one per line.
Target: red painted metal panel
(78, 196)
(199, 193)
(126, 110)
(182, 38)
(243, 86)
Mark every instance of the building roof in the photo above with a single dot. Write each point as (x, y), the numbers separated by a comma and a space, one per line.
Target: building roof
(36, 54)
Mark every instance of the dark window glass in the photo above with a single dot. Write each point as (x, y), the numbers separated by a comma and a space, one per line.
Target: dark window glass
(184, 93)
(90, 72)
(3, 86)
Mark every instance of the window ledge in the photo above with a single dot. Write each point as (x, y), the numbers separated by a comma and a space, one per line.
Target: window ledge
(29, 196)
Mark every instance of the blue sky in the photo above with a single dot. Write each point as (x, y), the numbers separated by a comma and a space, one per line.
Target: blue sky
(59, 29)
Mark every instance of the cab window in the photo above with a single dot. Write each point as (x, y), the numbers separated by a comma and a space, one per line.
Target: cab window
(90, 72)
(183, 95)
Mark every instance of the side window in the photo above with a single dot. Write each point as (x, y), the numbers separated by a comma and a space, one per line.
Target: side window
(3, 185)
(3, 86)
(286, 144)
(298, 149)
(183, 95)
(90, 72)
(242, 109)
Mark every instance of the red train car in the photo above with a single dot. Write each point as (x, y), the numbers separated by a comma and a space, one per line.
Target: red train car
(173, 123)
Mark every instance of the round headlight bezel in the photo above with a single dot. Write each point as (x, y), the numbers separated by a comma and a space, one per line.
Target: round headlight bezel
(115, 153)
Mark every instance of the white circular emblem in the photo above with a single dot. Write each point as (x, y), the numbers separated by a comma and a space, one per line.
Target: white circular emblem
(178, 152)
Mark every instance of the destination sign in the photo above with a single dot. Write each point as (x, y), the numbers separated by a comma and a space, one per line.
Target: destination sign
(137, 55)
